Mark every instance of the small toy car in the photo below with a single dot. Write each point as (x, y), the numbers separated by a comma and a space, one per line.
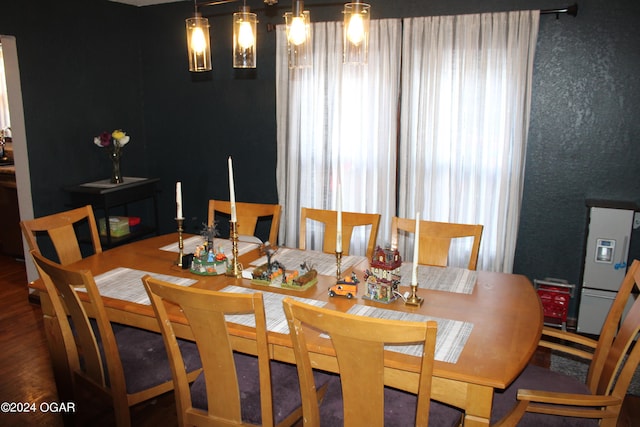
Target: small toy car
(348, 287)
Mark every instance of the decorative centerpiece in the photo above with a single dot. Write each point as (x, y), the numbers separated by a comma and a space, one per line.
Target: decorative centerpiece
(274, 273)
(301, 279)
(209, 233)
(269, 274)
(346, 287)
(113, 142)
(207, 260)
(384, 276)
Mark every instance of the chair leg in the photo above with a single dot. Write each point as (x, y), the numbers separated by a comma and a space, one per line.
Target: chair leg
(512, 418)
(321, 392)
(122, 413)
(297, 414)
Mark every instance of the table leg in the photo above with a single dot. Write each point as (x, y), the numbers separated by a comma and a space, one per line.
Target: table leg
(478, 406)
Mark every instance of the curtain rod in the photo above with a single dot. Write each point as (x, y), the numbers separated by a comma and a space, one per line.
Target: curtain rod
(570, 10)
(271, 4)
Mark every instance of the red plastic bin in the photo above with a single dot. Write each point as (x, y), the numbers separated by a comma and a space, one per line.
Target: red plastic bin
(555, 295)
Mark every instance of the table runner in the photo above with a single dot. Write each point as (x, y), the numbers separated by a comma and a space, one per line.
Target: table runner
(448, 279)
(325, 264)
(126, 284)
(451, 338)
(276, 320)
(224, 245)
(106, 183)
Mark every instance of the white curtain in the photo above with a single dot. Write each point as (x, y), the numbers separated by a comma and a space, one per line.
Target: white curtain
(466, 88)
(464, 114)
(334, 118)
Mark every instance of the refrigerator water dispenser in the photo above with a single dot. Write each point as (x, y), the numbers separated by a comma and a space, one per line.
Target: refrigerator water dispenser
(604, 250)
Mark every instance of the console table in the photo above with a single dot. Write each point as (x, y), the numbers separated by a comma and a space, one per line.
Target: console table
(103, 196)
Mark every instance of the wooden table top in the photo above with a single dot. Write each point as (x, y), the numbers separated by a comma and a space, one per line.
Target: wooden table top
(504, 309)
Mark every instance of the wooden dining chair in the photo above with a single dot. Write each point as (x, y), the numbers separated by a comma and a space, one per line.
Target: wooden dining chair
(61, 229)
(436, 239)
(349, 221)
(119, 363)
(583, 347)
(248, 216)
(540, 396)
(359, 397)
(234, 388)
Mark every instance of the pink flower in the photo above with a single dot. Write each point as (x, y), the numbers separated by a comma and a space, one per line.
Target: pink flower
(104, 140)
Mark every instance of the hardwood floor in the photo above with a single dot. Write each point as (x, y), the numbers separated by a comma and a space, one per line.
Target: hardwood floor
(24, 360)
(26, 375)
(25, 366)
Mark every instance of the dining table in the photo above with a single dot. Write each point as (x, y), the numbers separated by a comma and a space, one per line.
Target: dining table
(489, 323)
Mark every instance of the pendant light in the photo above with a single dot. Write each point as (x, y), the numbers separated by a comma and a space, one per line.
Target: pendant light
(298, 29)
(244, 38)
(198, 43)
(356, 33)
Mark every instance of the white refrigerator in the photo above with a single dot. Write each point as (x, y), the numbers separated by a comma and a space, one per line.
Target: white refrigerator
(605, 264)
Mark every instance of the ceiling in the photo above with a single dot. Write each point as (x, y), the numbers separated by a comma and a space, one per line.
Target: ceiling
(144, 2)
(152, 2)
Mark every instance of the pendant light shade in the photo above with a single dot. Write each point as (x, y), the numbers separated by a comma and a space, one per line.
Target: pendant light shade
(198, 44)
(356, 33)
(244, 38)
(298, 29)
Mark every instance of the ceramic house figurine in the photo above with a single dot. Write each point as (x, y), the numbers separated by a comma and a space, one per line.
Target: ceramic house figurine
(384, 276)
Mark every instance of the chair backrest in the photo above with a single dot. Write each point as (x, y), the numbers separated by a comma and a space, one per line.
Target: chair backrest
(61, 284)
(205, 311)
(611, 368)
(60, 228)
(349, 221)
(248, 215)
(359, 346)
(436, 237)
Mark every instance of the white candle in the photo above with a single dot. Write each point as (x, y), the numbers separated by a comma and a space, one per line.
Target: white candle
(179, 200)
(232, 193)
(416, 246)
(339, 221)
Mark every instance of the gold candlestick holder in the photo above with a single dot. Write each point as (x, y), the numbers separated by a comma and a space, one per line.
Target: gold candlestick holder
(180, 222)
(338, 265)
(235, 270)
(414, 299)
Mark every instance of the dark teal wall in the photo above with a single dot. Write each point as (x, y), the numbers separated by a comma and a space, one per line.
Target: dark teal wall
(80, 75)
(584, 137)
(87, 66)
(195, 121)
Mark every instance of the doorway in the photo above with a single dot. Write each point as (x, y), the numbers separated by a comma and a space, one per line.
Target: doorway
(19, 138)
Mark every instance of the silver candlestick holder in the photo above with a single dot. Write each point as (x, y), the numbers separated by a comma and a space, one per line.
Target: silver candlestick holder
(235, 270)
(180, 222)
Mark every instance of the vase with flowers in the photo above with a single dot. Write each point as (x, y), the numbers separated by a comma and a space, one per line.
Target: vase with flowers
(113, 142)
